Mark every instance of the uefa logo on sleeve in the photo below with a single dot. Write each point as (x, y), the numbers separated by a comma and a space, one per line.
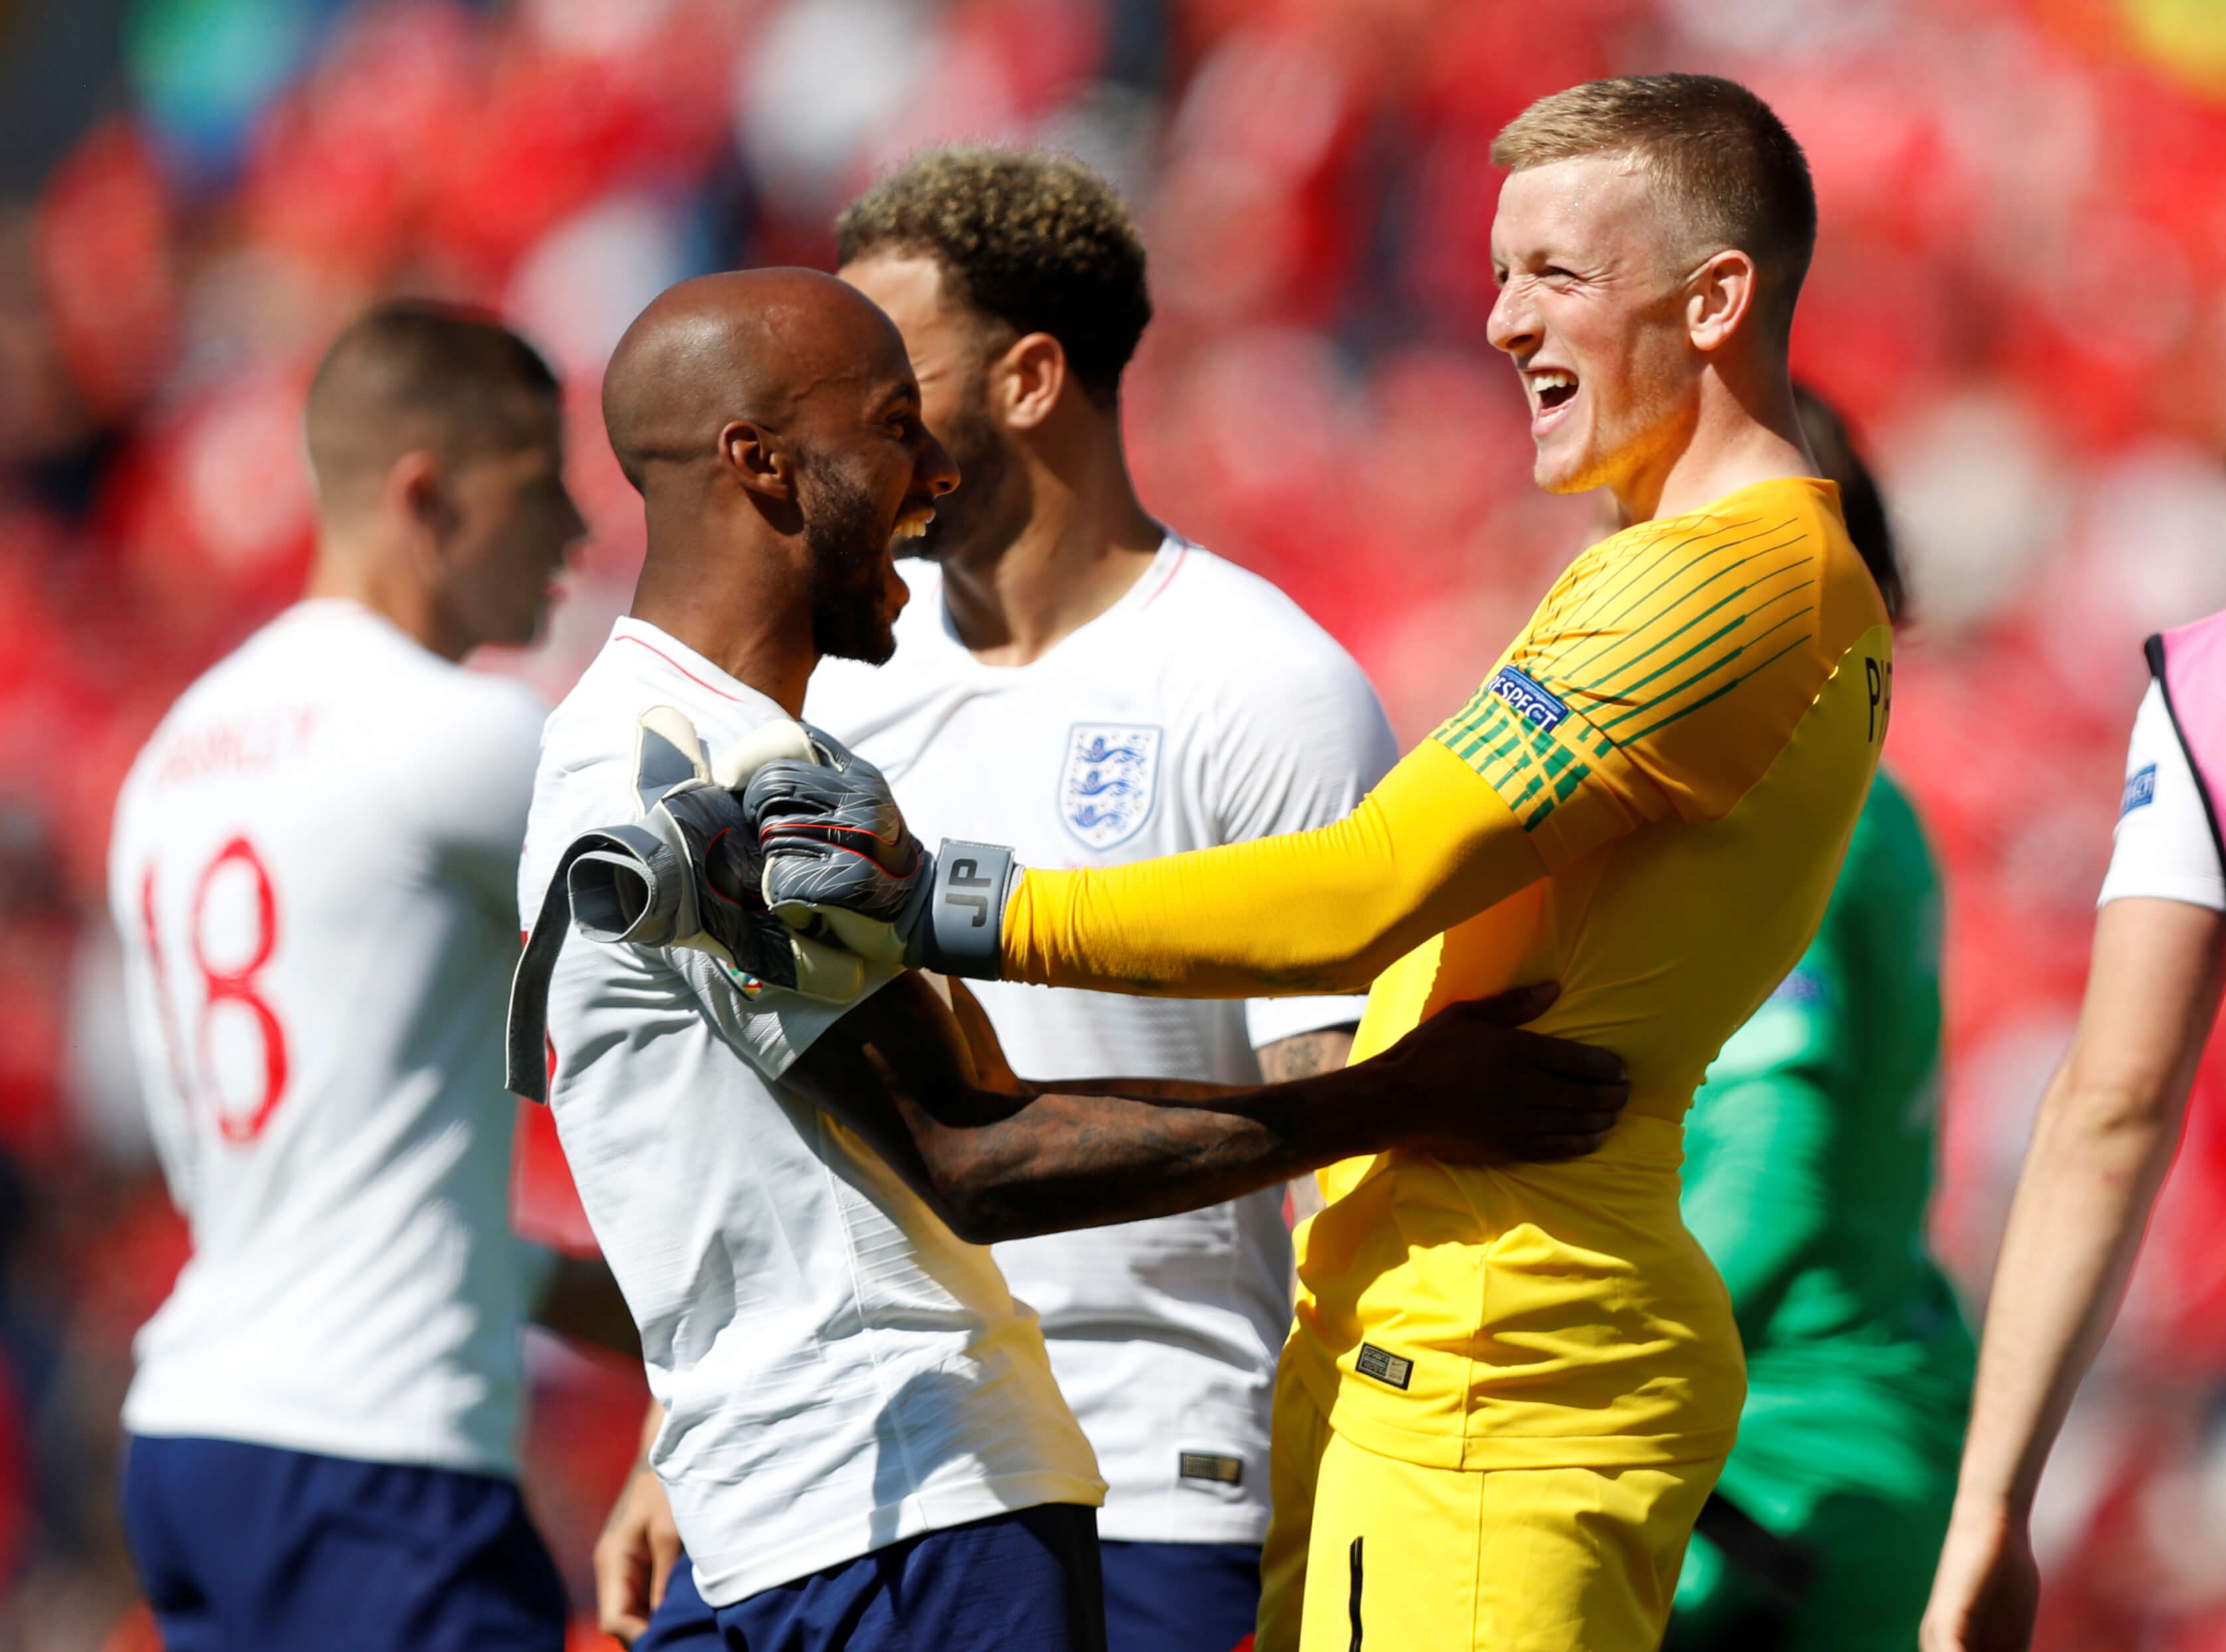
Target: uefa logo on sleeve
(1112, 774)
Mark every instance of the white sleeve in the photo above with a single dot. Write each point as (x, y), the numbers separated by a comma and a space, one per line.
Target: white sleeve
(1318, 742)
(2165, 847)
(483, 768)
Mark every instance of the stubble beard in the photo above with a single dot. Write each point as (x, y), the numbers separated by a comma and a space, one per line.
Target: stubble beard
(966, 519)
(847, 539)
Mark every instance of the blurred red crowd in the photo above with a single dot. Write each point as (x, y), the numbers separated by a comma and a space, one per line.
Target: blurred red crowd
(2020, 300)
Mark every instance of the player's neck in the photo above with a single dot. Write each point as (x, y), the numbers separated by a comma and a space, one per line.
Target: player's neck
(746, 609)
(1086, 542)
(1741, 435)
(348, 571)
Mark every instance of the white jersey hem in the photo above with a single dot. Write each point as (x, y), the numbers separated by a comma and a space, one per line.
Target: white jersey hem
(356, 1445)
(889, 1524)
(1239, 1523)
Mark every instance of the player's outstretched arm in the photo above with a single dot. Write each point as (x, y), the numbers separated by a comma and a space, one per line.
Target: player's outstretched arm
(1323, 911)
(1468, 1085)
(2108, 1129)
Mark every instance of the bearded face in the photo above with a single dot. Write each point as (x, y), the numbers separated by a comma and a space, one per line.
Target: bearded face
(978, 515)
(848, 535)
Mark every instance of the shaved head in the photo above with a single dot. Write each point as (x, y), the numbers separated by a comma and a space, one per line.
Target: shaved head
(769, 420)
(756, 345)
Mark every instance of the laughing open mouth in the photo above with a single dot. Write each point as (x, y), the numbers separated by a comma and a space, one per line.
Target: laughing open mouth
(1552, 387)
(913, 525)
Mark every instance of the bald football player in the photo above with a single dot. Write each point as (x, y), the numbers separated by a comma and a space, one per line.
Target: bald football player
(862, 1442)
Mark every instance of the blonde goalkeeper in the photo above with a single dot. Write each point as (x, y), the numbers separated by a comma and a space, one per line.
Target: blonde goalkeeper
(1508, 1389)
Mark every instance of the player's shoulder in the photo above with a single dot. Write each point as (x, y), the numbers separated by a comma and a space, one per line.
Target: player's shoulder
(1217, 620)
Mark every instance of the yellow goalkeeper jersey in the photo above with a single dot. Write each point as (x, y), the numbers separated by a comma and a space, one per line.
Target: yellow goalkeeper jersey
(1647, 800)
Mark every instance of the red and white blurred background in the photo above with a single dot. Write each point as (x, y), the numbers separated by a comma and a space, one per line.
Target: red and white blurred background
(2020, 300)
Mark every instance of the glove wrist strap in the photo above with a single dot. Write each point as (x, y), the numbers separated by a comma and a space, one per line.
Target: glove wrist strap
(962, 931)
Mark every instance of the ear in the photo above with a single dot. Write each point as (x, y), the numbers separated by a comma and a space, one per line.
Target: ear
(1723, 297)
(757, 459)
(414, 493)
(1026, 380)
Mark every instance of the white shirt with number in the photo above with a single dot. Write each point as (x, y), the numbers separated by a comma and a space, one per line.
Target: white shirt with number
(1203, 707)
(313, 870)
(839, 1371)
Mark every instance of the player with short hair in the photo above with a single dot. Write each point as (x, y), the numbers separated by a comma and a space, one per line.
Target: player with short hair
(1510, 1389)
(1125, 693)
(1074, 679)
(1808, 1175)
(862, 1441)
(311, 870)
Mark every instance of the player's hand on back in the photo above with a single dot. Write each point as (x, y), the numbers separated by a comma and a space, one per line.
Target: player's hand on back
(1470, 1085)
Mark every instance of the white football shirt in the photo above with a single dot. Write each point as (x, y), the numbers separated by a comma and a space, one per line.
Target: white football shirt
(839, 1370)
(2165, 847)
(1203, 707)
(313, 870)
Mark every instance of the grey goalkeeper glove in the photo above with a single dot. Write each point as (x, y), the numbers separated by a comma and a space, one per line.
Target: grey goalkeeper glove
(837, 847)
(686, 874)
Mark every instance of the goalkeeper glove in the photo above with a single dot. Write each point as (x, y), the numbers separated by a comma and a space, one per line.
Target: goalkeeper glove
(687, 874)
(836, 846)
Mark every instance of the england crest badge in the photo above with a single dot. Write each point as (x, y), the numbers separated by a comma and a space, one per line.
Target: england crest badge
(1112, 775)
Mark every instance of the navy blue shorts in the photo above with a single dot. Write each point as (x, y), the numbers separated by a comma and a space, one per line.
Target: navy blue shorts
(1179, 1597)
(1028, 1581)
(244, 1548)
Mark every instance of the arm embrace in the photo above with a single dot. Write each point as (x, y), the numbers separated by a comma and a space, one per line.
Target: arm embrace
(1319, 911)
(1004, 1163)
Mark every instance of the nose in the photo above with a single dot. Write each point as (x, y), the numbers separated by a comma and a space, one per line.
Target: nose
(935, 469)
(1513, 324)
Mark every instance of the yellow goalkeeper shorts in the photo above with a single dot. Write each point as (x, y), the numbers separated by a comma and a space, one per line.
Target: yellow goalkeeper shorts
(1371, 1554)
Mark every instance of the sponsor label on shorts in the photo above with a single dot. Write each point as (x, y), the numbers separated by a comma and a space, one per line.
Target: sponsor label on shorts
(1384, 1366)
(2140, 788)
(1209, 1466)
(1529, 696)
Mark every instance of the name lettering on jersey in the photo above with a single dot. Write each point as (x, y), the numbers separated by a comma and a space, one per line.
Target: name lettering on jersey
(237, 748)
(1109, 783)
(1529, 696)
(1879, 674)
(1209, 1466)
(1384, 1367)
(2140, 788)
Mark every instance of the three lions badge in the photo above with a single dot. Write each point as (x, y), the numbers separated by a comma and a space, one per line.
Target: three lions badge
(1112, 775)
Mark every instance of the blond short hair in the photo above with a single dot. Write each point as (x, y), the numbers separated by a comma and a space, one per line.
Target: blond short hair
(1719, 157)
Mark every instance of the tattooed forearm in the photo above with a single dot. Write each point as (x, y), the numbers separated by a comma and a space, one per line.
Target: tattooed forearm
(1305, 1054)
(998, 1165)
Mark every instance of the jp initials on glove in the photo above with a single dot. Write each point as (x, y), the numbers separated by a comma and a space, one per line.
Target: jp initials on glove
(686, 874)
(835, 845)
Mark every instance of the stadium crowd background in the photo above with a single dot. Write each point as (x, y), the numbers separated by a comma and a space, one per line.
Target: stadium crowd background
(2020, 300)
